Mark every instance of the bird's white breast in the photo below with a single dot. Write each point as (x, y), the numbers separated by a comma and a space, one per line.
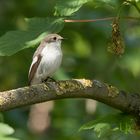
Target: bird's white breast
(51, 60)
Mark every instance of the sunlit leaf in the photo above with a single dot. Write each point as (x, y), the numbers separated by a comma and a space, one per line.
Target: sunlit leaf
(6, 129)
(68, 7)
(101, 129)
(37, 28)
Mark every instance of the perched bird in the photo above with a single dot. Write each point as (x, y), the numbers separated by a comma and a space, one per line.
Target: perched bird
(46, 59)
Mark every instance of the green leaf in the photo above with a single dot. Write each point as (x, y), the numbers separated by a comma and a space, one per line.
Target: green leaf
(36, 29)
(68, 7)
(101, 129)
(117, 122)
(5, 129)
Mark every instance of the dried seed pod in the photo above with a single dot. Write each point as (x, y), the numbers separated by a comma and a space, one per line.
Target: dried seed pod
(117, 45)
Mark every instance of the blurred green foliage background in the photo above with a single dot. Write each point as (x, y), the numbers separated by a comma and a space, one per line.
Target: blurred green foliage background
(85, 56)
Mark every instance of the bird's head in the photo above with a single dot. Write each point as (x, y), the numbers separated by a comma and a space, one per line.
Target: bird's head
(52, 38)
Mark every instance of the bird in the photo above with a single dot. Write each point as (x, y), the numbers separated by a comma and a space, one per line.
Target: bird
(46, 59)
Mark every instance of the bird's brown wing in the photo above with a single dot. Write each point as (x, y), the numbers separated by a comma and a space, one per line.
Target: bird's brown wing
(34, 68)
(35, 65)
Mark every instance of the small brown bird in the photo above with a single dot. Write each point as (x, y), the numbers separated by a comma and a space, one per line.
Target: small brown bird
(46, 59)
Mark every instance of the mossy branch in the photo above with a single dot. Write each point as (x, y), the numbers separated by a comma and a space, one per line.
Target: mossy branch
(79, 88)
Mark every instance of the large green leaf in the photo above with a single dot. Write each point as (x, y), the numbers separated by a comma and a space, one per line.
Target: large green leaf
(68, 7)
(36, 29)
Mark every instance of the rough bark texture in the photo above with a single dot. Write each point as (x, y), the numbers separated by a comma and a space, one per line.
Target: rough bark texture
(78, 88)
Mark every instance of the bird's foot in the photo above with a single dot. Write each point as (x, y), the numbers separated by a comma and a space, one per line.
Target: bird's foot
(49, 79)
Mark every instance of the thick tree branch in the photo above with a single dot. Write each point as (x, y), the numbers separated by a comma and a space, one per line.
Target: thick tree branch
(80, 88)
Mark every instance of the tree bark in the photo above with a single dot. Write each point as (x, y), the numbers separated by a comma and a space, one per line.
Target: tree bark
(77, 88)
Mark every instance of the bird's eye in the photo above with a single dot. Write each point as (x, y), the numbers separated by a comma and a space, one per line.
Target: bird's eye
(54, 38)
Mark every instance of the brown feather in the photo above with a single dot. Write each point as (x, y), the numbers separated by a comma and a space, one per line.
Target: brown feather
(34, 69)
(35, 65)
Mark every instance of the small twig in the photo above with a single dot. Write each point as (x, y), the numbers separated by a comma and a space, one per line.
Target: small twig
(88, 20)
(100, 19)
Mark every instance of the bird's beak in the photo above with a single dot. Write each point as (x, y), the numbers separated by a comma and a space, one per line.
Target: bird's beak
(62, 38)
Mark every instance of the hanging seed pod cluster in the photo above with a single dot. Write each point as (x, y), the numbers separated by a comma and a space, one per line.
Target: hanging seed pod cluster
(117, 45)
